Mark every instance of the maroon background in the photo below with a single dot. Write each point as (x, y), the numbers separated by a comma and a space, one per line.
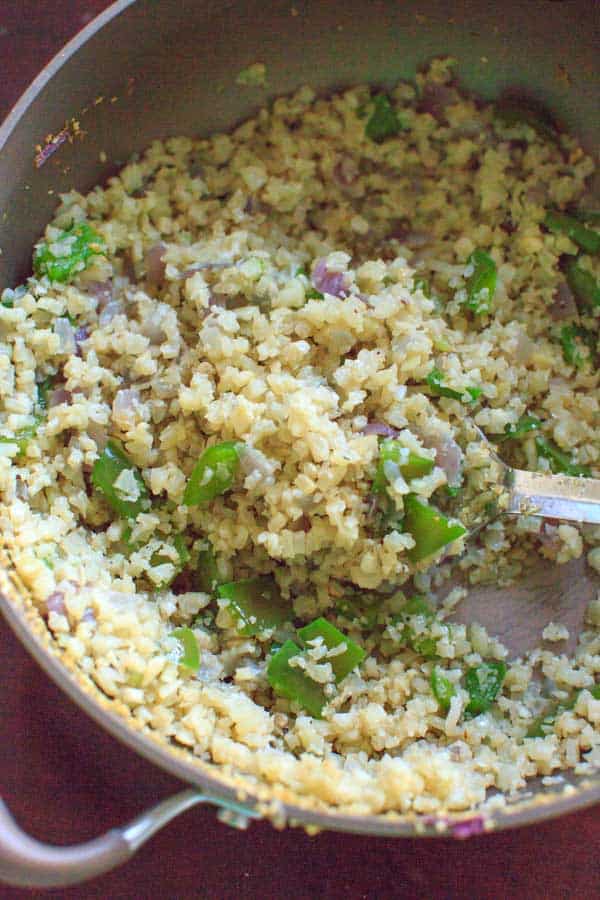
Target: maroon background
(67, 781)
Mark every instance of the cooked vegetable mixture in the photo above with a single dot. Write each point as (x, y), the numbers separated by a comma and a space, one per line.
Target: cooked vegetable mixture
(233, 449)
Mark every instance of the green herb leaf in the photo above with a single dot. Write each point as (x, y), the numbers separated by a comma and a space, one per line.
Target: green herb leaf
(584, 286)
(435, 380)
(481, 284)
(560, 462)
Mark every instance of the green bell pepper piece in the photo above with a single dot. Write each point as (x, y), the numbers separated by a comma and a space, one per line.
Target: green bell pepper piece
(429, 528)
(293, 683)
(585, 238)
(584, 286)
(483, 683)
(190, 657)
(560, 462)
(207, 571)
(409, 464)
(213, 474)
(383, 121)
(256, 603)
(443, 689)
(22, 436)
(343, 664)
(76, 246)
(481, 285)
(105, 472)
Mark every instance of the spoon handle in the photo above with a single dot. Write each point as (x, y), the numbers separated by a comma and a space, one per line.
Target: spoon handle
(554, 496)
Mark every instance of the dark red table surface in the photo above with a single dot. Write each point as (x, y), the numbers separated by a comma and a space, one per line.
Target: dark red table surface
(66, 780)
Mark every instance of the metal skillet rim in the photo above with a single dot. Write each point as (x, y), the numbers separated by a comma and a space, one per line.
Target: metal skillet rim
(31, 632)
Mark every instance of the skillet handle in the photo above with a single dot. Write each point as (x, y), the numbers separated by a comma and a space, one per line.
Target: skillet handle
(29, 863)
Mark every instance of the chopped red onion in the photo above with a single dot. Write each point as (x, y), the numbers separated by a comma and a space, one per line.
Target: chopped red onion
(467, 828)
(252, 460)
(448, 455)
(202, 267)
(125, 408)
(346, 171)
(152, 327)
(563, 304)
(59, 396)
(328, 282)
(379, 428)
(524, 348)
(112, 309)
(55, 603)
(88, 616)
(102, 291)
(81, 336)
(66, 335)
(154, 263)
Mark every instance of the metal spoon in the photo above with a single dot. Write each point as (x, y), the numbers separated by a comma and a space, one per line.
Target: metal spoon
(519, 492)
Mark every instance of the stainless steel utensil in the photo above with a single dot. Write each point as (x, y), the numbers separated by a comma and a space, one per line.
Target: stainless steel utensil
(148, 70)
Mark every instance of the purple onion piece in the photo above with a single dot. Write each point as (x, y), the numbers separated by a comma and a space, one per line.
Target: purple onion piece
(59, 396)
(563, 303)
(154, 263)
(55, 603)
(112, 309)
(328, 282)
(102, 291)
(346, 171)
(66, 335)
(98, 434)
(380, 428)
(448, 455)
(467, 828)
(125, 406)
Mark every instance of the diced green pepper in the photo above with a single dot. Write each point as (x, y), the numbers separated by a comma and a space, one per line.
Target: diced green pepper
(561, 223)
(69, 253)
(481, 284)
(571, 338)
(435, 380)
(383, 121)
(343, 664)
(207, 571)
(190, 657)
(256, 603)
(483, 683)
(213, 474)
(584, 286)
(409, 464)
(443, 689)
(111, 463)
(311, 293)
(293, 683)
(429, 528)
(183, 558)
(560, 462)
